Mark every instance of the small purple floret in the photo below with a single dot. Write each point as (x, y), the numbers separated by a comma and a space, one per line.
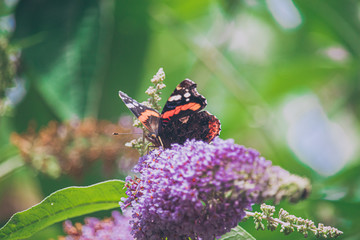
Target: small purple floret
(115, 228)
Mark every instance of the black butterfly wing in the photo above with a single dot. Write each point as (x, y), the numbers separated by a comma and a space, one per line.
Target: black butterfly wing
(200, 126)
(185, 100)
(149, 117)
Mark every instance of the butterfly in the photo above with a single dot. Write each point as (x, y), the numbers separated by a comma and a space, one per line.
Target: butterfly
(180, 119)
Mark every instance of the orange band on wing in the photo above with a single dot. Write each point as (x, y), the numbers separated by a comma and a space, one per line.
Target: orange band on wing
(146, 114)
(190, 106)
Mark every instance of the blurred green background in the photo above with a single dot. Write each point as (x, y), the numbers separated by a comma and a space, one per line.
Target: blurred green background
(282, 76)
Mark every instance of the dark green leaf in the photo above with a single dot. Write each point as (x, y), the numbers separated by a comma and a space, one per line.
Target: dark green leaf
(61, 52)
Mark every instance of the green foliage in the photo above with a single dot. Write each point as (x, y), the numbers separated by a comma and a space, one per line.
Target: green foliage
(75, 59)
(237, 233)
(64, 204)
(6, 68)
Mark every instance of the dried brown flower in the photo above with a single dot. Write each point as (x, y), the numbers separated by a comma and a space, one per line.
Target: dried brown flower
(71, 147)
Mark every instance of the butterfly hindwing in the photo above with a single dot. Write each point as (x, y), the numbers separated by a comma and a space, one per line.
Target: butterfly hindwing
(147, 116)
(200, 126)
(214, 127)
(184, 101)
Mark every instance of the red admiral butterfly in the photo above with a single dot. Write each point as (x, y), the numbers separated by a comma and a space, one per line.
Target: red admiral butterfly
(180, 119)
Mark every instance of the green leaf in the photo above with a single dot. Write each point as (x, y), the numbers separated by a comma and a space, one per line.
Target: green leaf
(237, 233)
(63, 204)
(61, 53)
(78, 59)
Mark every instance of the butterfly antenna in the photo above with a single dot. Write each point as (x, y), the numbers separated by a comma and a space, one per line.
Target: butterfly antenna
(116, 133)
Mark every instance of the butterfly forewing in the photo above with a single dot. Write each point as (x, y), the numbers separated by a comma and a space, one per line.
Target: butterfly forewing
(184, 101)
(147, 116)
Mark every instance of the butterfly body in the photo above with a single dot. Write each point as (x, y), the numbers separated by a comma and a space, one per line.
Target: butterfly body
(180, 119)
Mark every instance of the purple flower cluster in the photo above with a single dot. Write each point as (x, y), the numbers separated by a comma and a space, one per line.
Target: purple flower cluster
(115, 228)
(197, 191)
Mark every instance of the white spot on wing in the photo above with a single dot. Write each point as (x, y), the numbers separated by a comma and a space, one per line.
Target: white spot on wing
(187, 95)
(174, 98)
(129, 105)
